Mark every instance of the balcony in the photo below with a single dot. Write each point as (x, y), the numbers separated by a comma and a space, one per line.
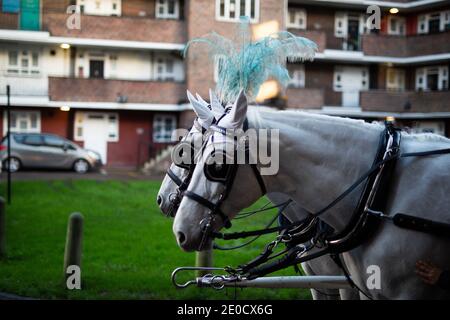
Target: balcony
(305, 98)
(405, 101)
(103, 90)
(409, 46)
(117, 28)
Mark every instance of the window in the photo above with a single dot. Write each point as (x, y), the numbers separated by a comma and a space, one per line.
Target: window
(168, 9)
(113, 127)
(96, 69)
(23, 121)
(340, 24)
(54, 141)
(337, 81)
(296, 18)
(33, 140)
(23, 63)
(298, 77)
(232, 10)
(100, 7)
(163, 126)
(433, 22)
(396, 25)
(432, 78)
(11, 6)
(395, 79)
(445, 20)
(164, 69)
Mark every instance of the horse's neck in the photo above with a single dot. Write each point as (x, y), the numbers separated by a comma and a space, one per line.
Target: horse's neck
(319, 158)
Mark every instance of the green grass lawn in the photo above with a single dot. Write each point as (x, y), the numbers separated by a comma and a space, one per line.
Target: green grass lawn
(129, 251)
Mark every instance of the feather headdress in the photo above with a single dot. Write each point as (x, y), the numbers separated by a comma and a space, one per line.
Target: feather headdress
(246, 64)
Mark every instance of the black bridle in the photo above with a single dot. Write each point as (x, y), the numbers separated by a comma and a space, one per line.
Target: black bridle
(182, 184)
(227, 179)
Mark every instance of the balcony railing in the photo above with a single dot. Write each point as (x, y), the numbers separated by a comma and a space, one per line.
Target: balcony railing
(405, 101)
(117, 28)
(406, 46)
(105, 90)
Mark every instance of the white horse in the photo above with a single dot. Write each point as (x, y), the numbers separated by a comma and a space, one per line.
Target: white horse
(169, 190)
(320, 157)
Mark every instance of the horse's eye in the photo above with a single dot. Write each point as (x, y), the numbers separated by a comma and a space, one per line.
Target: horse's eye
(216, 171)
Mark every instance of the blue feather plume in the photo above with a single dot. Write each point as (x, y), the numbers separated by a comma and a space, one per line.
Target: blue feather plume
(246, 64)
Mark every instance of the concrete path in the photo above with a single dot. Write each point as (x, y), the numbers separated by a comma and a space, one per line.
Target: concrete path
(104, 174)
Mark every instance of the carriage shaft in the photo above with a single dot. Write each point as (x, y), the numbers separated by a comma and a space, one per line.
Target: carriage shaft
(307, 282)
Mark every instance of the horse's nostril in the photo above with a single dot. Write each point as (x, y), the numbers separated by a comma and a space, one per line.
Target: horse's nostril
(181, 237)
(158, 200)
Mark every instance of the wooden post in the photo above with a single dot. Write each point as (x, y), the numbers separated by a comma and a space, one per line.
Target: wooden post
(203, 259)
(2, 228)
(74, 239)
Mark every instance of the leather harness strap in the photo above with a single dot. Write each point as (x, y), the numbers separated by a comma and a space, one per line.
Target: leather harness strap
(174, 177)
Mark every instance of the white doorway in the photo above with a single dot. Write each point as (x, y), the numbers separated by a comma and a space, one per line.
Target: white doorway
(96, 134)
(350, 81)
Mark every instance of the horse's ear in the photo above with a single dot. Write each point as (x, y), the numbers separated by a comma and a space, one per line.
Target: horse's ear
(236, 117)
(205, 116)
(202, 101)
(216, 107)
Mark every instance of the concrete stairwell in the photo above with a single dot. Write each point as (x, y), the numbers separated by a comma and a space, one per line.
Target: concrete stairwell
(159, 164)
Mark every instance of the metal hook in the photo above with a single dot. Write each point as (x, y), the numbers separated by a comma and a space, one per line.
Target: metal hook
(190, 282)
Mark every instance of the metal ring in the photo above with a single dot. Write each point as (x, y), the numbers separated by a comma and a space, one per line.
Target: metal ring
(218, 285)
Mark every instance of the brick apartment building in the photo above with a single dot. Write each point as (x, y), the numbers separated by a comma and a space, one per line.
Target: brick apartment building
(117, 85)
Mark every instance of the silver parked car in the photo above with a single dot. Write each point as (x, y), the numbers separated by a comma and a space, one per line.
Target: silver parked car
(32, 150)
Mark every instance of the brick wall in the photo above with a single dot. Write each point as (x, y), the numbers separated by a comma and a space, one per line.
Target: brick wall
(9, 20)
(322, 19)
(131, 149)
(52, 6)
(304, 98)
(117, 28)
(100, 90)
(186, 119)
(319, 37)
(56, 122)
(320, 76)
(398, 46)
(390, 101)
(138, 8)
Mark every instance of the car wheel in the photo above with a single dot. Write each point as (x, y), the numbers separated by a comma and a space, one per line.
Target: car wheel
(81, 166)
(13, 164)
